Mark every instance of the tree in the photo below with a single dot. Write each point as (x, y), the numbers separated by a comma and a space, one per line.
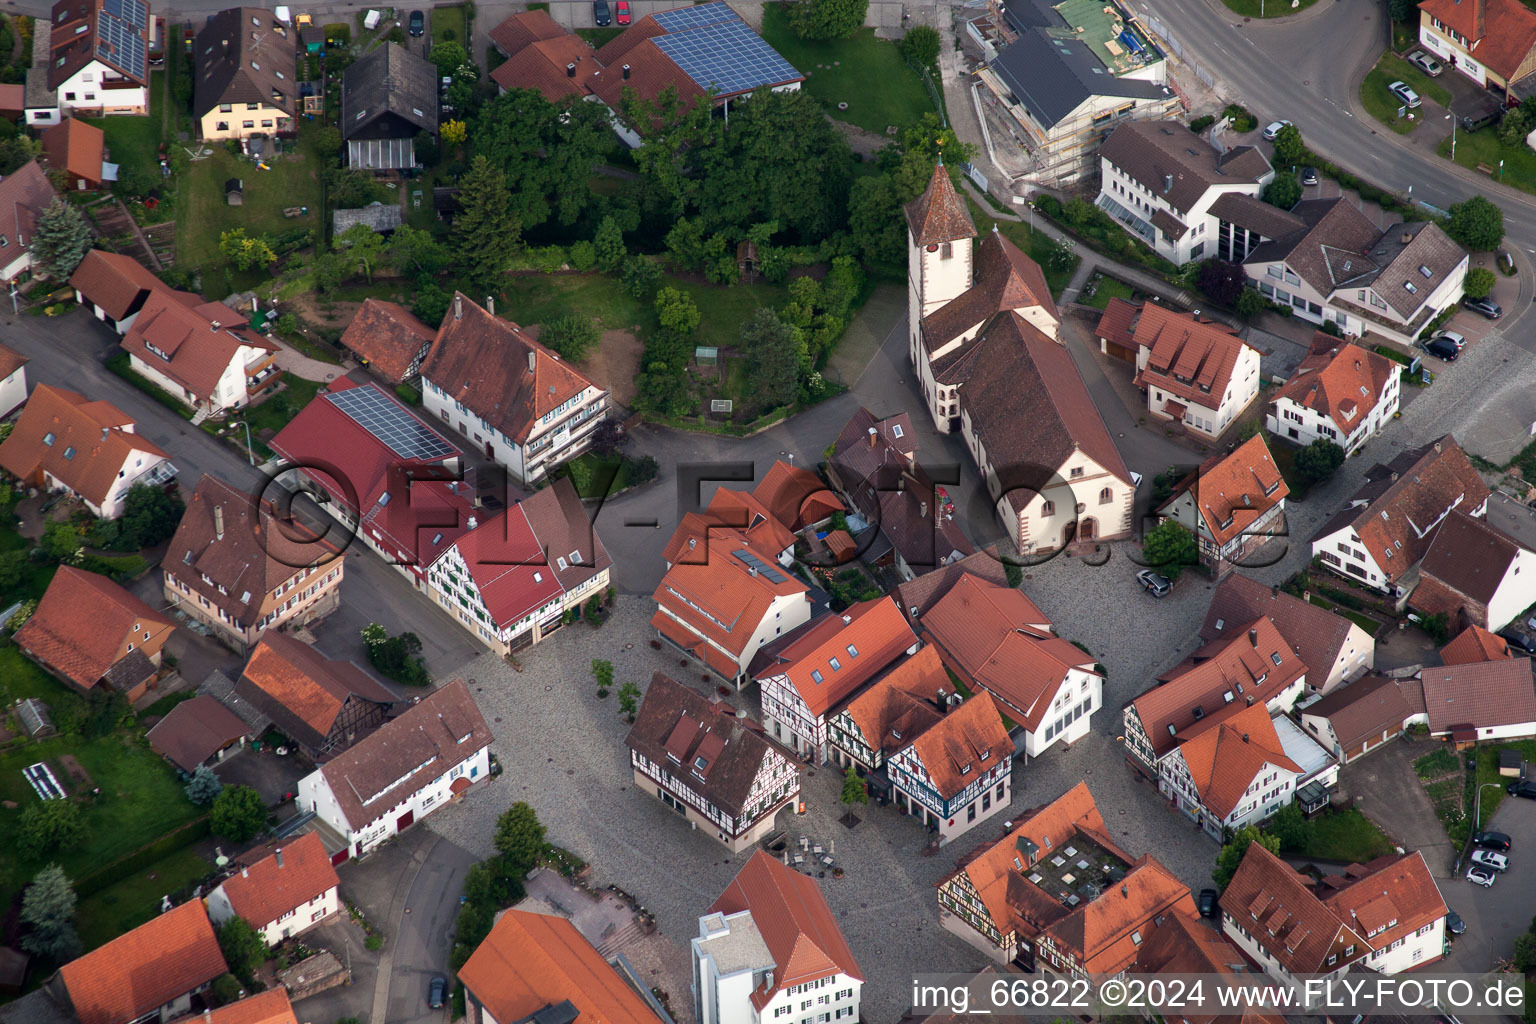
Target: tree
(431, 302)
(920, 46)
(204, 786)
(362, 246)
(51, 825)
(412, 249)
(1289, 149)
(519, 838)
(1479, 283)
(608, 438)
(1284, 192)
(244, 251)
(150, 516)
(641, 276)
(486, 233)
(59, 241)
(1319, 460)
(546, 152)
(453, 133)
(1525, 952)
(243, 947)
(1476, 223)
(854, 789)
(49, 907)
(602, 671)
(60, 541)
(1169, 547)
(609, 244)
(571, 335)
(827, 19)
(875, 221)
(1249, 303)
(238, 813)
(16, 152)
(1514, 126)
(328, 142)
(774, 352)
(398, 657)
(676, 312)
(629, 700)
(1222, 281)
(13, 568)
(1289, 826)
(449, 58)
(1400, 10)
(1231, 854)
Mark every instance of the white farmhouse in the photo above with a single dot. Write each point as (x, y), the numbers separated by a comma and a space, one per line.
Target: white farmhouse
(1340, 393)
(287, 891)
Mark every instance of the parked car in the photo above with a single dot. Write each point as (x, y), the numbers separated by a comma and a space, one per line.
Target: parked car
(1309, 175)
(621, 12)
(1489, 859)
(1487, 307)
(1481, 876)
(1519, 639)
(437, 993)
(1525, 788)
(1207, 903)
(417, 25)
(1454, 924)
(600, 14)
(1491, 114)
(1272, 130)
(1157, 585)
(1491, 840)
(1442, 349)
(1425, 63)
(1408, 96)
(1452, 337)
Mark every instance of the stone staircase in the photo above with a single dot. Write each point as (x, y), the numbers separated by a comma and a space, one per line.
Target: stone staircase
(615, 942)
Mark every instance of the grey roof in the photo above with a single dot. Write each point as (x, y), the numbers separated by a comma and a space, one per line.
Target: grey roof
(389, 93)
(1174, 162)
(222, 688)
(1418, 254)
(377, 216)
(1332, 247)
(1052, 77)
(1255, 214)
(34, 717)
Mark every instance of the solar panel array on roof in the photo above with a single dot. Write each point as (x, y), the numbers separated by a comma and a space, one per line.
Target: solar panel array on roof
(403, 433)
(715, 48)
(763, 568)
(120, 36)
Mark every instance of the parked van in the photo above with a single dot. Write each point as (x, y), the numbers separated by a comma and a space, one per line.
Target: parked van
(1491, 114)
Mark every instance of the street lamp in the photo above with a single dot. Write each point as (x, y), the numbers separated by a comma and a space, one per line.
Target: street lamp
(791, 457)
(1452, 116)
(250, 450)
(1477, 816)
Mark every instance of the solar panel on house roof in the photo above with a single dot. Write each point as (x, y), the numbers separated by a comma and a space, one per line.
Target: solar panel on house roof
(134, 12)
(763, 568)
(120, 36)
(401, 432)
(715, 48)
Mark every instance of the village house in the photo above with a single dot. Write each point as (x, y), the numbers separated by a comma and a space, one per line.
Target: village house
(1340, 393)
(1253, 666)
(1334, 649)
(512, 579)
(1492, 42)
(768, 945)
(413, 765)
(1180, 946)
(388, 98)
(1337, 266)
(1182, 195)
(874, 467)
(1353, 720)
(958, 771)
(993, 638)
(888, 715)
(526, 407)
(246, 76)
(1380, 537)
(916, 596)
(992, 369)
(1475, 644)
(232, 566)
(703, 763)
(149, 974)
(114, 287)
(24, 194)
(95, 60)
(537, 967)
(1057, 894)
(62, 441)
(809, 675)
(1480, 701)
(1472, 574)
(283, 893)
(389, 340)
(1233, 504)
(74, 149)
(90, 632)
(269, 1007)
(197, 731)
(13, 380)
(203, 353)
(322, 705)
(1387, 916)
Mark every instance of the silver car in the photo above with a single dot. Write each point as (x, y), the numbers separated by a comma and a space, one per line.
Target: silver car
(1273, 129)
(1453, 338)
(1425, 63)
(1408, 96)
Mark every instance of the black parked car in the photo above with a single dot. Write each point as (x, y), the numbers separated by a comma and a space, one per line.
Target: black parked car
(1492, 841)
(1207, 903)
(438, 993)
(1454, 924)
(600, 13)
(1525, 788)
(1518, 638)
(1440, 348)
(417, 25)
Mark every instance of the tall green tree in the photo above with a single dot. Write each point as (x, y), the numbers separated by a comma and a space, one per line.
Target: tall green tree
(1289, 149)
(572, 335)
(486, 232)
(827, 19)
(1284, 191)
(609, 243)
(774, 353)
(1168, 547)
(1319, 460)
(1231, 854)
(414, 251)
(520, 837)
(204, 786)
(51, 825)
(854, 789)
(361, 246)
(238, 813)
(547, 153)
(449, 57)
(150, 516)
(1476, 223)
(920, 46)
(243, 947)
(48, 908)
(1479, 283)
(60, 241)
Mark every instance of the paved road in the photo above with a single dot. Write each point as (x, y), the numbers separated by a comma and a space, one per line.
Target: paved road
(425, 932)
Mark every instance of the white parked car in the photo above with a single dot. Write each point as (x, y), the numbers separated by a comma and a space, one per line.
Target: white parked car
(1489, 859)
(1408, 96)
(1481, 876)
(1272, 130)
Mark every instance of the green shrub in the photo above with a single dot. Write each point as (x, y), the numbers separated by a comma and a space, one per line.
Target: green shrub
(1200, 124)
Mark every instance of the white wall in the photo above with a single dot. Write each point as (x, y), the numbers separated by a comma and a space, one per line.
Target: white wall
(84, 89)
(1078, 684)
(1301, 426)
(527, 464)
(13, 391)
(315, 795)
(1516, 592)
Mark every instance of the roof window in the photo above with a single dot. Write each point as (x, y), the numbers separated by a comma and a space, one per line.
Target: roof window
(49, 438)
(538, 577)
(853, 652)
(69, 453)
(896, 430)
(836, 665)
(575, 557)
(561, 563)
(1413, 288)
(1275, 657)
(1428, 274)
(816, 675)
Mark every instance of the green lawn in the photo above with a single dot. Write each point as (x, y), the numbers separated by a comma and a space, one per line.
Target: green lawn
(133, 142)
(125, 905)
(1381, 104)
(1483, 147)
(1365, 622)
(448, 24)
(1399, 70)
(1488, 772)
(275, 413)
(866, 73)
(588, 471)
(1108, 288)
(1347, 836)
(1037, 245)
(599, 36)
(1266, 8)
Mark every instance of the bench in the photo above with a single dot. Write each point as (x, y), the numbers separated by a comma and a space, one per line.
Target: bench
(1486, 169)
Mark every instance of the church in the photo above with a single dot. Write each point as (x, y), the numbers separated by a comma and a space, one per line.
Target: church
(985, 342)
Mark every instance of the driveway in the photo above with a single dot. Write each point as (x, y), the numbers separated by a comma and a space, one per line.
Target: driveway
(1496, 917)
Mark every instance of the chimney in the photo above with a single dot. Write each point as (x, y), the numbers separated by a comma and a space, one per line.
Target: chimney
(1167, 183)
(458, 307)
(1407, 235)
(847, 620)
(570, 71)
(626, 72)
(214, 325)
(1253, 638)
(473, 522)
(693, 542)
(490, 304)
(1357, 365)
(1394, 474)
(1245, 737)
(533, 361)
(279, 853)
(1437, 447)
(218, 522)
(1125, 892)
(872, 434)
(245, 872)
(1274, 591)
(922, 510)
(751, 570)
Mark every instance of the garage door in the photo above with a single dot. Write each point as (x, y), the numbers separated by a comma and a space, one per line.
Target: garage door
(404, 821)
(341, 856)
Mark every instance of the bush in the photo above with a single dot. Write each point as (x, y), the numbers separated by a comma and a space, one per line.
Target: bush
(1242, 120)
(1200, 124)
(397, 657)
(243, 947)
(1169, 547)
(1319, 460)
(238, 813)
(571, 335)
(583, 256)
(1479, 283)
(1477, 223)
(920, 46)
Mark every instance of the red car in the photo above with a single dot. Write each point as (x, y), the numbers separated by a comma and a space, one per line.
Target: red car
(621, 12)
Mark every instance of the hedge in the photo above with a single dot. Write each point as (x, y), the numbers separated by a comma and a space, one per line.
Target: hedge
(145, 856)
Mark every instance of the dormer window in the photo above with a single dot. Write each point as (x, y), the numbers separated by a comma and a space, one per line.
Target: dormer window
(986, 754)
(965, 770)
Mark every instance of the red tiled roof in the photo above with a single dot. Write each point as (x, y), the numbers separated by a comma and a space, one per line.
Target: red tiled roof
(1319, 637)
(862, 641)
(13, 99)
(83, 624)
(795, 497)
(1182, 946)
(296, 873)
(87, 446)
(1117, 324)
(795, 922)
(1275, 904)
(733, 599)
(194, 730)
(1189, 358)
(902, 703)
(388, 337)
(963, 744)
(679, 634)
(198, 352)
(530, 961)
(1474, 644)
(1480, 694)
(1232, 492)
(302, 690)
(1343, 384)
(24, 194)
(1393, 888)
(113, 281)
(939, 214)
(524, 29)
(543, 65)
(1508, 30)
(77, 39)
(139, 972)
(1470, 557)
(269, 1007)
(1226, 759)
(509, 567)
(1104, 934)
(1005, 279)
(74, 147)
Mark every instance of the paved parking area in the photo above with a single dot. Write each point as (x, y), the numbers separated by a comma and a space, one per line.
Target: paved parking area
(1495, 917)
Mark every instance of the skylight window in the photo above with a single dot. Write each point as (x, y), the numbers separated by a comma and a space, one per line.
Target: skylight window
(1428, 274)
(836, 665)
(853, 652)
(816, 675)
(575, 557)
(1275, 657)
(896, 430)
(561, 563)
(69, 453)
(1411, 287)
(538, 577)
(49, 438)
